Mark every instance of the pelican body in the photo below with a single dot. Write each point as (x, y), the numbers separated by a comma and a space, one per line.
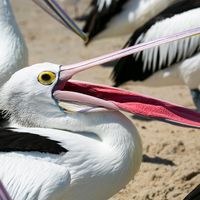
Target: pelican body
(59, 154)
(87, 167)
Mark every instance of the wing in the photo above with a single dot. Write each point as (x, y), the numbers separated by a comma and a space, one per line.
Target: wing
(28, 164)
(101, 13)
(180, 16)
(194, 195)
(13, 140)
(27, 178)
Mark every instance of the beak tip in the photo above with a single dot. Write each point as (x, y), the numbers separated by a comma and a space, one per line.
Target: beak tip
(85, 38)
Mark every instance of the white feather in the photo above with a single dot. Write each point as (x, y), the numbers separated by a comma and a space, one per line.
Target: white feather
(134, 14)
(102, 3)
(13, 50)
(181, 48)
(28, 178)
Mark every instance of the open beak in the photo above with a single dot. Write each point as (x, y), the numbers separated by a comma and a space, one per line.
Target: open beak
(55, 10)
(98, 96)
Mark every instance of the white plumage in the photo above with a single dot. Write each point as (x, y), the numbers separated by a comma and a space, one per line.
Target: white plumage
(91, 169)
(134, 14)
(109, 18)
(183, 48)
(13, 50)
(186, 70)
(104, 148)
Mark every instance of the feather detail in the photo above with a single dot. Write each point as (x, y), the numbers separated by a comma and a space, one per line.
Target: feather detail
(142, 65)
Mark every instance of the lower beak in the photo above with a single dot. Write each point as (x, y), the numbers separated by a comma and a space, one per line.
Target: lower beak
(55, 10)
(98, 96)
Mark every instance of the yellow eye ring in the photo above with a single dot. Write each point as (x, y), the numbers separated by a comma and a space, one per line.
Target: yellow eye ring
(46, 77)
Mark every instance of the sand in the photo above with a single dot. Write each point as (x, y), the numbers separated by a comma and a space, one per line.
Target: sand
(171, 166)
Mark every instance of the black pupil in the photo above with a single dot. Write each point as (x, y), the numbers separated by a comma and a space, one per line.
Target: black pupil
(46, 77)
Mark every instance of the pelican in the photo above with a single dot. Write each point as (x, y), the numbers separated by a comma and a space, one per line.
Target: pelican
(174, 64)
(68, 139)
(76, 156)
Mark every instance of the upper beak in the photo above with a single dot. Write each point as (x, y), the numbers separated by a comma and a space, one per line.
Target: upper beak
(55, 10)
(70, 70)
(118, 99)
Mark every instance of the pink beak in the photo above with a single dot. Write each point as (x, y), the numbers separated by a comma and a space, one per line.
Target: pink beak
(118, 99)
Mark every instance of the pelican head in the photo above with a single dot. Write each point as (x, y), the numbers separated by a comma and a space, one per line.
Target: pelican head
(43, 95)
(37, 96)
(29, 93)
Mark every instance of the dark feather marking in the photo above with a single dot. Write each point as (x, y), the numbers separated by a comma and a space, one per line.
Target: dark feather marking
(194, 195)
(11, 140)
(3, 118)
(97, 21)
(130, 68)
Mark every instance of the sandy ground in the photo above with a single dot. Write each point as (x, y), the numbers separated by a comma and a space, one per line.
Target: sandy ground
(171, 166)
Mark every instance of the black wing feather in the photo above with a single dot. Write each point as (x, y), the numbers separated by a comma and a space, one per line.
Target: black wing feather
(11, 140)
(97, 21)
(131, 67)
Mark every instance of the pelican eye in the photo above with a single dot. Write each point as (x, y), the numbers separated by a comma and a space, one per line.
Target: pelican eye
(46, 78)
